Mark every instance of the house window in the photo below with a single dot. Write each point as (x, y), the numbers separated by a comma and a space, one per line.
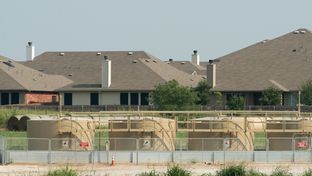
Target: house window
(144, 98)
(68, 99)
(94, 99)
(134, 99)
(257, 97)
(14, 98)
(4, 98)
(124, 99)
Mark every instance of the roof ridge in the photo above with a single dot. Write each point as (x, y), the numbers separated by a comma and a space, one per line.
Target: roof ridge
(13, 78)
(262, 42)
(178, 75)
(21, 70)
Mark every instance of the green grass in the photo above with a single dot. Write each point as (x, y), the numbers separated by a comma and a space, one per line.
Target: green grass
(63, 172)
(182, 134)
(281, 171)
(16, 140)
(307, 173)
(150, 173)
(13, 133)
(235, 170)
(177, 171)
(260, 141)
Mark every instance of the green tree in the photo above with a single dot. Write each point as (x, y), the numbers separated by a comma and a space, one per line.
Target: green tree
(236, 102)
(218, 98)
(306, 93)
(271, 96)
(203, 94)
(172, 96)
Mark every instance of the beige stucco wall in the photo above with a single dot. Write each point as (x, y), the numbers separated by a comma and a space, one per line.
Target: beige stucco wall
(22, 98)
(110, 98)
(81, 98)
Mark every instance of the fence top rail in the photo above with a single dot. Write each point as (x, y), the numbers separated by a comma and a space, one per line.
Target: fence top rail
(177, 138)
(212, 112)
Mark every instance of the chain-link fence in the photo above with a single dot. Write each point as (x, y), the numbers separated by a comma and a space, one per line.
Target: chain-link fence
(97, 108)
(154, 150)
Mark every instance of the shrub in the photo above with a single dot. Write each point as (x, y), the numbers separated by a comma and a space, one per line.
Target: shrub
(271, 96)
(279, 171)
(63, 172)
(236, 103)
(238, 170)
(254, 173)
(177, 171)
(173, 96)
(307, 173)
(150, 173)
(206, 174)
(306, 93)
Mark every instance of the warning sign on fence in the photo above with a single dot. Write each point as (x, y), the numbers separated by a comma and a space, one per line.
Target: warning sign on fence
(65, 143)
(84, 144)
(302, 144)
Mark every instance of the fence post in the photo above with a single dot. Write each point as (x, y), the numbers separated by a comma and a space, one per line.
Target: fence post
(49, 154)
(223, 151)
(137, 151)
(267, 150)
(293, 150)
(3, 150)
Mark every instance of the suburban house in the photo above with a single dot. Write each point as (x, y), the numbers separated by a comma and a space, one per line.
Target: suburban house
(23, 85)
(128, 77)
(284, 63)
(109, 77)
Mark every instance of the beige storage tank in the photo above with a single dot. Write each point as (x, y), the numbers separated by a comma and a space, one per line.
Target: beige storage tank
(286, 129)
(145, 133)
(65, 134)
(215, 134)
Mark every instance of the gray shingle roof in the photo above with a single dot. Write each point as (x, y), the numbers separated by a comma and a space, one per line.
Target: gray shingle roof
(188, 67)
(138, 71)
(284, 63)
(15, 76)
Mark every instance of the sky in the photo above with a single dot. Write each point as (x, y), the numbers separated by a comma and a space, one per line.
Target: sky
(163, 28)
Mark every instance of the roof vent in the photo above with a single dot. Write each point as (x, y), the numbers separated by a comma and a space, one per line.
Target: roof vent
(264, 41)
(182, 62)
(62, 54)
(170, 60)
(294, 50)
(98, 54)
(303, 32)
(70, 74)
(146, 60)
(8, 63)
(130, 53)
(154, 61)
(134, 61)
(296, 32)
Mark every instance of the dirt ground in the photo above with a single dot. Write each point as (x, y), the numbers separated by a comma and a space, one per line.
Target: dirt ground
(132, 170)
